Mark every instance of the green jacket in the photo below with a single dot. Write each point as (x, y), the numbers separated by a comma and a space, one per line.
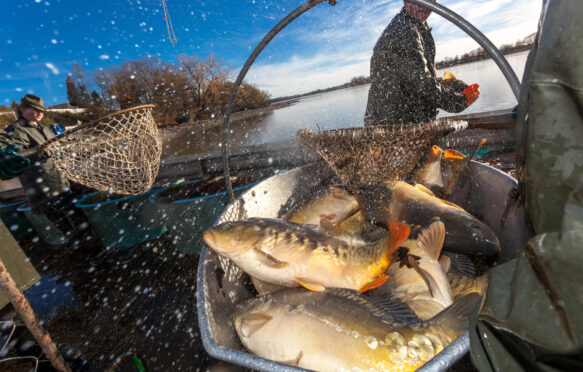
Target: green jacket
(531, 318)
(404, 87)
(42, 180)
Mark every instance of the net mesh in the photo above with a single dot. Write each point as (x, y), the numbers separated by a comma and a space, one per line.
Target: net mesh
(119, 153)
(373, 154)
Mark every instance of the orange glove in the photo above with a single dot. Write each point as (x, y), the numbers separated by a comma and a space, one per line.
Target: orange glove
(472, 92)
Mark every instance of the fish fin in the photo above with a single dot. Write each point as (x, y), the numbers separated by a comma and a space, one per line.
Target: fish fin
(436, 150)
(253, 322)
(294, 362)
(264, 287)
(424, 274)
(269, 260)
(431, 239)
(453, 154)
(445, 263)
(397, 312)
(424, 189)
(374, 284)
(456, 317)
(309, 285)
(462, 263)
(387, 308)
(398, 233)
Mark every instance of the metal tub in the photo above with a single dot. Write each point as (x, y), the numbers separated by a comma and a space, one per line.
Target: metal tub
(221, 285)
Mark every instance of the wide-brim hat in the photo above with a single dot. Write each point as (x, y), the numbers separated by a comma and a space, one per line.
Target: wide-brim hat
(33, 101)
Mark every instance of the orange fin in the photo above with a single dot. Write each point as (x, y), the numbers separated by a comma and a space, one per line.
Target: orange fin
(453, 154)
(311, 286)
(435, 151)
(398, 233)
(374, 284)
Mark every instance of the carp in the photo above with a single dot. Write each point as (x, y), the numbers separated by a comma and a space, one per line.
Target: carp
(330, 207)
(289, 254)
(342, 330)
(417, 205)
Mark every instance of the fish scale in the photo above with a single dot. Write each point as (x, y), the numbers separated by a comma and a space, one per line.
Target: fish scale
(343, 330)
(285, 253)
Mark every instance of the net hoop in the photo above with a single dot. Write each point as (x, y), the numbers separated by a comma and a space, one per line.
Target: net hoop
(118, 153)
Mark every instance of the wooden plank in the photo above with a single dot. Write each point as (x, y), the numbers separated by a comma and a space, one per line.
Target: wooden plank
(16, 262)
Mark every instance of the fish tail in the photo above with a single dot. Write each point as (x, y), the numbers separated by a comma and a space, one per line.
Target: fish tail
(456, 317)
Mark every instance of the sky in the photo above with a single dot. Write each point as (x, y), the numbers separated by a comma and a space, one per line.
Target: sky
(326, 46)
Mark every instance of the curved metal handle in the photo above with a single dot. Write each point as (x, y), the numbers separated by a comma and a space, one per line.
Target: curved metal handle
(270, 35)
(480, 38)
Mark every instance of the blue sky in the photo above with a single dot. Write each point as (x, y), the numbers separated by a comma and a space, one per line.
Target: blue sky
(327, 46)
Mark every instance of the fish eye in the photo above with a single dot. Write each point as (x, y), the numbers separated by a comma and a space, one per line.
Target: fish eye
(475, 227)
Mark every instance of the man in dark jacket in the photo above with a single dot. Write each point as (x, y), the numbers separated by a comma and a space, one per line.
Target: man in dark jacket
(404, 86)
(42, 180)
(47, 190)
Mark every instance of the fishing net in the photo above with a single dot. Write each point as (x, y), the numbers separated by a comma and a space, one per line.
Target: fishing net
(373, 154)
(118, 153)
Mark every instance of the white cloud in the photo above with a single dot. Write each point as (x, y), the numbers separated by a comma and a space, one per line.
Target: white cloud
(340, 44)
(304, 74)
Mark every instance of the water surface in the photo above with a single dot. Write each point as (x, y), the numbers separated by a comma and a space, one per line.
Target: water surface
(341, 109)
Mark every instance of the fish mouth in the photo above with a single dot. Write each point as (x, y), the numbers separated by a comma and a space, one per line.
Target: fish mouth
(209, 238)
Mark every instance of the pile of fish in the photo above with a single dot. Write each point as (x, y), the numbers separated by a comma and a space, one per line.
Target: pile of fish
(412, 253)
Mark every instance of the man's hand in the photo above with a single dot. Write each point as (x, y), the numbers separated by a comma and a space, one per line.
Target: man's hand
(472, 92)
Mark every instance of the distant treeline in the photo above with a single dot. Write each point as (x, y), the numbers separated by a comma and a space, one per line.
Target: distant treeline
(480, 54)
(359, 80)
(473, 56)
(190, 89)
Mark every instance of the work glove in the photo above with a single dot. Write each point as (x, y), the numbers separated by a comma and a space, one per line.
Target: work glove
(12, 164)
(450, 81)
(472, 92)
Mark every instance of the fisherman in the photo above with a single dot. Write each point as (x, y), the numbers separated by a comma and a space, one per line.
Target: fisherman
(47, 190)
(404, 87)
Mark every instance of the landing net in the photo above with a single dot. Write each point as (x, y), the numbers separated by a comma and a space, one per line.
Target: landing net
(373, 154)
(118, 153)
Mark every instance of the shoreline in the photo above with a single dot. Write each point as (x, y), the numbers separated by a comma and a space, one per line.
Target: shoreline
(291, 99)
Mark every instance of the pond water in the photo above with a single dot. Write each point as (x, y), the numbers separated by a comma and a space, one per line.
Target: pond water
(341, 109)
